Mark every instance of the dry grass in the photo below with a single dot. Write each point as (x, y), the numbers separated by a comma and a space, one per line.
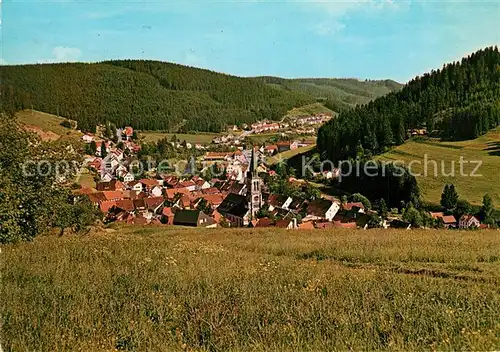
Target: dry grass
(152, 289)
(47, 126)
(289, 154)
(485, 149)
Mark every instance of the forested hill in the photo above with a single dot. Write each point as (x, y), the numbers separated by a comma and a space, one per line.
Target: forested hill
(148, 95)
(459, 101)
(338, 94)
(153, 95)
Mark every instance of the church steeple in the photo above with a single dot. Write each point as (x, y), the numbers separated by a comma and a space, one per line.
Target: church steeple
(254, 186)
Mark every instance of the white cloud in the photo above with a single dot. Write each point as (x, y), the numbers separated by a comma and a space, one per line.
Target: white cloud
(3, 62)
(63, 54)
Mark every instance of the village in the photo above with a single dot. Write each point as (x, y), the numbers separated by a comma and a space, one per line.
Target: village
(230, 189)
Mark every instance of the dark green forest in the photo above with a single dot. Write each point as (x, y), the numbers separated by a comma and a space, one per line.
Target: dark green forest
(147, 95)
(460, 101)
(154, 95)
(338, 94)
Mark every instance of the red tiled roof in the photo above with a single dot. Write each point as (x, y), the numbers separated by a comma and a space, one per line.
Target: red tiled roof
(125, 204)
(282, 223)
(264, 222)
(107, 205)
(153, 202)
(349, 206)
(306, 226)
(113, 195)
(149, 182)
(449, 219)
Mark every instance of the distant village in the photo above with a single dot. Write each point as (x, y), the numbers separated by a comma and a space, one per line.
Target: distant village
(237, 197)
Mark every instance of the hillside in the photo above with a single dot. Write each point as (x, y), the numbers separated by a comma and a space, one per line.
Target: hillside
(260, 290)
(154, 95)
(485, 149)
(338, 94)
(460, 101)
(148, 95)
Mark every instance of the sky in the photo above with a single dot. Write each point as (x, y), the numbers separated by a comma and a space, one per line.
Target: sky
(365, 39)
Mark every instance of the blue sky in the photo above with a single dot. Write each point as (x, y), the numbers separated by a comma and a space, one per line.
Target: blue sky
(302, 38)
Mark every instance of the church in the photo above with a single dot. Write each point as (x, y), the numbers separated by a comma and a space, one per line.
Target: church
(238, 209)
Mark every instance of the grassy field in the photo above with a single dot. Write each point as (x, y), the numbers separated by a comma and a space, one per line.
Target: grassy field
(201, 138)
(152, 289)
(308, 110)
(289, 154)
(47, 126)
(485, 149)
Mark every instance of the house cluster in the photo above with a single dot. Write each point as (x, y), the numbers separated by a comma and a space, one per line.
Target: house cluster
(313, 120)
(466, 221)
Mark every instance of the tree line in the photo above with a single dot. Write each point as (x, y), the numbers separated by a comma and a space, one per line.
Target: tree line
(459, 101)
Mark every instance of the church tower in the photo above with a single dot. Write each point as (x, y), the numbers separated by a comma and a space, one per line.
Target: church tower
(254, 186)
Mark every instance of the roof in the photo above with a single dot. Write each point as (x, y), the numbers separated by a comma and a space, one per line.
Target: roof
(171, 192)
(191, 218)
(306, 226)
(277, 200)
(319, 207)
(112, 195)
(167, 211)
(264, 222)
(149, 182)
(153, 202)
(125, 204)
(449, 219)
(349, 206)
(437, 215)
(282, 223)
(211, 190)
(107, 205)
(468, 217)
(214, 199)
(234, 204)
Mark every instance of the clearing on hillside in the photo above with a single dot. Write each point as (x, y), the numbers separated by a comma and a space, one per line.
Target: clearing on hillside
(152, 288)
(201, 138)
(47, 126)
(485, 149)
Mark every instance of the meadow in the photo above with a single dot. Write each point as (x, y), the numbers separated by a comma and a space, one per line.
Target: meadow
(47, 126)
(168, 289)
(485, 149)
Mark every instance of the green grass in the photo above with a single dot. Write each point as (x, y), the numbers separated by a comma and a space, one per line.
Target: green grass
(485, 149)
(289, 154)
(308, 110)
(201, 138)
(47, 123)
(170, 289)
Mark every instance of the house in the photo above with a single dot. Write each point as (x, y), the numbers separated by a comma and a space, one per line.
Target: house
(112, 195)
(189, 185)
(113, 185)
(128, 132)
(278, 201)
(200, 183)
(106, 177)
(168, 215)
(135, 186)
(172, 193)
(290, 224)
(448, 220)
(213, 199)
(321, 209)
(306, 226)
(271, 149)
(194, 218)
(107, 205)
(154, 204)
(235, 209)
(125, 205)
(87, 138)
(468, 221)
(357, 207)
(95, 164)
(129, 177)
(156, 191)
(263, 222)
(148, 184)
